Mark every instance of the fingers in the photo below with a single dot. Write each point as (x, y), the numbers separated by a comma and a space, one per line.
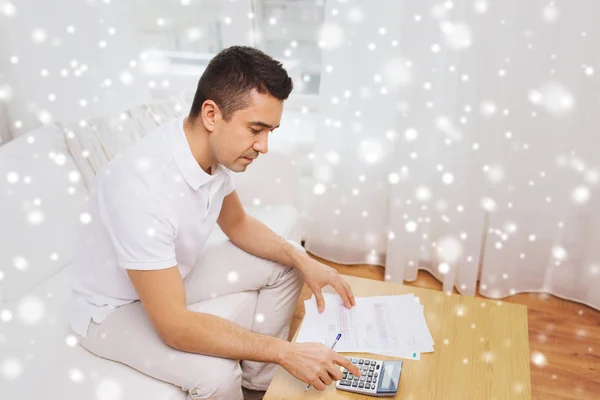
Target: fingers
(328, 375)
(320, 300)
(318, 384)
(334, 372)
(349, 291)
(339, 287)
(346, 363)
(345, 292)
(325, 378)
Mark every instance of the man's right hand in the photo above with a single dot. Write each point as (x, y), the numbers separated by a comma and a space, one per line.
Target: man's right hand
(314, 363)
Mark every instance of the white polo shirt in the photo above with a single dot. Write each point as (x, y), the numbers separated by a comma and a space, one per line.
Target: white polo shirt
(152, 208)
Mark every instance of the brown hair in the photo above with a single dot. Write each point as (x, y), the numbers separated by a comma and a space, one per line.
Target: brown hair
(233, 73)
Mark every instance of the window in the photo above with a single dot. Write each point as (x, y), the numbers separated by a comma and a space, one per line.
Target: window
(179, 37)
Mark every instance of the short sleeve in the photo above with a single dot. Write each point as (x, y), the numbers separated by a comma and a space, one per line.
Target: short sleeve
(140, 229)
(229, 185)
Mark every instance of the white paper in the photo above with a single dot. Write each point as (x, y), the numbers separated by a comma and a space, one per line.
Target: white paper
(387, 325)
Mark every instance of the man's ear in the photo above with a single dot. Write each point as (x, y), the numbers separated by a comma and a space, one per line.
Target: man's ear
(210, 113)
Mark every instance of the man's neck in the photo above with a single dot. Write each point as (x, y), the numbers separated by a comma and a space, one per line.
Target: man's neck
(197, 138)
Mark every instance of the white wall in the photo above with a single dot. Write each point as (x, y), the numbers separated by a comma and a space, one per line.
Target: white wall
(61, 68)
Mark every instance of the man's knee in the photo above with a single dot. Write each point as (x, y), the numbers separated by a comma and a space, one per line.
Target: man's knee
(219, 383)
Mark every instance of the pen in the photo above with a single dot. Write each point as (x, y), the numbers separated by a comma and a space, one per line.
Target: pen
(332, 346)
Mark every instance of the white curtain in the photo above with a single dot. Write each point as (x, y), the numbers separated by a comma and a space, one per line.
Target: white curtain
(462, 137)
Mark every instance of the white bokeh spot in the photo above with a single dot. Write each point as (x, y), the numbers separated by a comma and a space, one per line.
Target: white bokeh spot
(410, 134)
(20, 263)
(444, 268)
(447, 178)
(232, 277)
(580, 195)
(76, 375)
(109, 389)
(559, 253)
(12, 368)
(6, 315)
(481, 6)
(371, 151)
(319, 189)
(30, 310)
(331, 36)
(553, 97)
(12, 177)
(411, 226)
(550, 12)
(85, 218)
(458, 36)
(488, 204)
(71, 341)
(423, 193)
(487, 108)
(449, 249)
(35, 217)
(538, 359)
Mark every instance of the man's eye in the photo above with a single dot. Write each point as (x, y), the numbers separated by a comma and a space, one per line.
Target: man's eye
(255, 130)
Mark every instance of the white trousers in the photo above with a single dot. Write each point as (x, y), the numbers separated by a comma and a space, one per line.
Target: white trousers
(126, 335)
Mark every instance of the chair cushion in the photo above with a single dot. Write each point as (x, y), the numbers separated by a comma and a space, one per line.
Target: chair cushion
(42, 198)
(41, 359)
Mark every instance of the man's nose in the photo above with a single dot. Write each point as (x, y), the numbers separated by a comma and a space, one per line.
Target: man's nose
(262, 145)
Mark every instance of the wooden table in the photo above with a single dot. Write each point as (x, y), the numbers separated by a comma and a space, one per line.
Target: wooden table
(481, 351)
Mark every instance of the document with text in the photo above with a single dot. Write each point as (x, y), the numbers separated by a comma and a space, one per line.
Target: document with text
(386, 325)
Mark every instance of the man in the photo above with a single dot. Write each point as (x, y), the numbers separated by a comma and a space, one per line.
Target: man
(152, 210)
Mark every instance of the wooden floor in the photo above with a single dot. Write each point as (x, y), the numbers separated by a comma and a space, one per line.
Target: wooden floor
(564, 337)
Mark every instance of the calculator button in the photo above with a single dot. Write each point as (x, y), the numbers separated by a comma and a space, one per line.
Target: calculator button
(354, 384)
(377, 367)
(372, 369)
(363, 378)
(361, 361)
(373, 362)
(356, 378)
(361, 385)
(375, 375)
(345, 383)
(369, 379)
(373, 386)
(370, 374)
(354, 360)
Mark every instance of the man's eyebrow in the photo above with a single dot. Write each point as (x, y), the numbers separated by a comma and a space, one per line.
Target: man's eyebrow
(263, 124)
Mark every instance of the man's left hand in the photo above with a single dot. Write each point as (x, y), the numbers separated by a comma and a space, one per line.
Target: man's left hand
(317, 275)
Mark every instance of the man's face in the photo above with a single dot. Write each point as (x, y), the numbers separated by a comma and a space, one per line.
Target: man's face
(237, 142)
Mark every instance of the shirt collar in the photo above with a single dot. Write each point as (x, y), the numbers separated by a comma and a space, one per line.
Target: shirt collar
(191, 171)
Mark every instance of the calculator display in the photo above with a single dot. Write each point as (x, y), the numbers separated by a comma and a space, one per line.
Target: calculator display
(389, 376)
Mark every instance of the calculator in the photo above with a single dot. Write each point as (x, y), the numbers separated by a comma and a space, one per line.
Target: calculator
(379, 378)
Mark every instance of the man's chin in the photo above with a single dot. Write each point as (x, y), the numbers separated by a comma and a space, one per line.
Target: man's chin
(236, 167)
